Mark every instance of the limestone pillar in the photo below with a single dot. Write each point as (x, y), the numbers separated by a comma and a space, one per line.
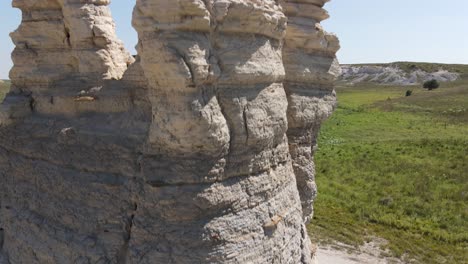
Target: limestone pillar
(309, 57)
(215, 75)
(199, 152)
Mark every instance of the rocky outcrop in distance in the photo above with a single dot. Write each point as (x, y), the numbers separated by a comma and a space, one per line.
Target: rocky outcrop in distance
(392, 74)
(199, 150)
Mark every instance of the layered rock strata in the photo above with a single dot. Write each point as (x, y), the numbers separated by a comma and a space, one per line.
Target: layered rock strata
(61, 39)
(63, 47)
(198, 152)
(311, 69)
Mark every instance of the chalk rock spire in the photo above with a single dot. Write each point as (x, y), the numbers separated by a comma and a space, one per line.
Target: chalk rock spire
(60, 39)
(198, 151)
(311, 69)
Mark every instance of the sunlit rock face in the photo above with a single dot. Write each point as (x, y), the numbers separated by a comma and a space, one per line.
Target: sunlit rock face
(311, 69)
(63, 39)
(199, 150)
(63, 47)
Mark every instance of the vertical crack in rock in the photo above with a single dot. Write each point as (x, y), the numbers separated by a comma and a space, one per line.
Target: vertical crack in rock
(199, 150)
(124, 251)
(215, 67)
(246, 125)
(67, 37)
(2, 238)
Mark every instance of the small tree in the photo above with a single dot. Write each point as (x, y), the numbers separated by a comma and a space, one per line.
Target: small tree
(431, 84)
(409, 93)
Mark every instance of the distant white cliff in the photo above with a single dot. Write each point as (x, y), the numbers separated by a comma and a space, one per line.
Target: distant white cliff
(392, 74)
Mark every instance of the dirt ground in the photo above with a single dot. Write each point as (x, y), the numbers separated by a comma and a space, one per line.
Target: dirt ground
(370, 253)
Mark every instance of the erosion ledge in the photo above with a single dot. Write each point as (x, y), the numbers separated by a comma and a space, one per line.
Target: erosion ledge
(199, 150)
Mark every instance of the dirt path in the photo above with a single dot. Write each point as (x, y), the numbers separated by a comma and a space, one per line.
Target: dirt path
(369, 253)
(333, 256)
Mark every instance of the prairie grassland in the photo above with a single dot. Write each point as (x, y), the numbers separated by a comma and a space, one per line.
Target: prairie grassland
(396, 167)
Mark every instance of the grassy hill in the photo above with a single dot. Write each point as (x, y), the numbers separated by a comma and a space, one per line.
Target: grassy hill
(408, 67)
(396, 167)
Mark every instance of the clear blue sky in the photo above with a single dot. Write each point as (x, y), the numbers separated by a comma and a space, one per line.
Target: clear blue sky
(370, 30)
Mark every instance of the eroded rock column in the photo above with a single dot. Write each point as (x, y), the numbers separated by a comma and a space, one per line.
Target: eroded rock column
(199, 152)
(223, 187)
(68, 159)
(60, 39)
(309, 57)
(63, 47)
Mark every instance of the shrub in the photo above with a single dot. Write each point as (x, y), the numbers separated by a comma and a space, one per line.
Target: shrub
(409, 93)
(431, 84)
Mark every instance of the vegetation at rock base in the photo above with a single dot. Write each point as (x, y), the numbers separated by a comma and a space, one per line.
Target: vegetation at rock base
(4, 87)
(396, 167)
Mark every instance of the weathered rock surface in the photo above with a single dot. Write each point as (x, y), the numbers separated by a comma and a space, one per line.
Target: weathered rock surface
(311, 69)
(199, 151)
(393, 75)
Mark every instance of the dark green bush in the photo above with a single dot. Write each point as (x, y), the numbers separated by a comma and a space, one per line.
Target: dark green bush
(431, 84)
(409, 93)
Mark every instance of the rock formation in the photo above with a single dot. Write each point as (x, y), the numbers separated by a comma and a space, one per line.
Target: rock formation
(199, 151)
(63, 39)
(311, 69)
(393, 74)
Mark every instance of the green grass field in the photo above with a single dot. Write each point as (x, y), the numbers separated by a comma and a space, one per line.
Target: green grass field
(396, 167)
